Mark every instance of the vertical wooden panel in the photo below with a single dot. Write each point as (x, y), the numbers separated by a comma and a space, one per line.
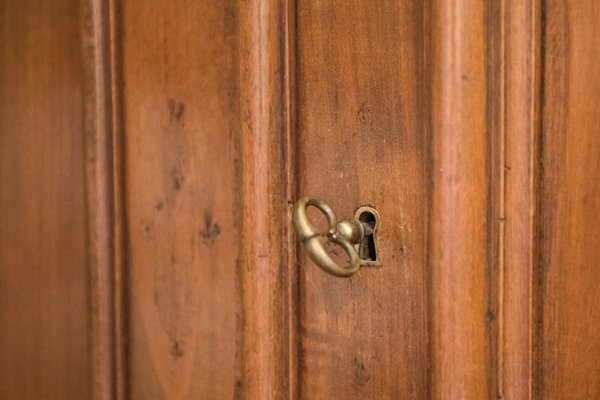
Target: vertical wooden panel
(361, 140)
(267, 154)
(43, 257)
(180, 126)
(458, 252)
(569, 300)
(521, 168)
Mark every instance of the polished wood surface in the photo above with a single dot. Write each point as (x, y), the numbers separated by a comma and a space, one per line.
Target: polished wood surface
(568, 300)
(520, 167)
(267, 274)
(44, 334)
(151, 153)
(179, 98)
(361, 140)
(105, 306)
(462, 321)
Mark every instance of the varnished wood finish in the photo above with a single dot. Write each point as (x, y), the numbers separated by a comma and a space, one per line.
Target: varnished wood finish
(458, 254)
(98, 133)
(180, 127)
(521, 164)
(44, 333)
(266, 152)
(361, 140)
(111, 37)
(568, 333)
(150, 153)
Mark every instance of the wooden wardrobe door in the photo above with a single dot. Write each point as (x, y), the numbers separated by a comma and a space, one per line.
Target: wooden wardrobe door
(151, 154)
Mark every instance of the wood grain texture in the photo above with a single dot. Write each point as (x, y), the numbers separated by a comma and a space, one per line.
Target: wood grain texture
(459, 258)
(267, 154)
(150, 153)
(43, 229)
(521, 167)
(98, 131)
(569, 300)
(180, 126)
(361, 140)
(113, 76)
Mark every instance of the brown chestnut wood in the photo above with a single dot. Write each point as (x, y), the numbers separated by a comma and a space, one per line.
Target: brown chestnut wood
(568, 305)
(180, 136)
(44, 243)
(151, 152)
(461, 223)
(266, 166)
(519, 169)
(362, 140)
(104, 303)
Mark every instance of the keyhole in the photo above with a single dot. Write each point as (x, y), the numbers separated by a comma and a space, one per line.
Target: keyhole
(368, 248)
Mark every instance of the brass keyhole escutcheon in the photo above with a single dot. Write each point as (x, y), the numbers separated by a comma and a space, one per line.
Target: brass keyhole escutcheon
(357, 236)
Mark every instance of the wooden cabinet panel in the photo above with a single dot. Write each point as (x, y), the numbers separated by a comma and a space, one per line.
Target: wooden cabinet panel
(361, 140)
(43, 215)
(180, 134)
(568, 339)
(151, 153)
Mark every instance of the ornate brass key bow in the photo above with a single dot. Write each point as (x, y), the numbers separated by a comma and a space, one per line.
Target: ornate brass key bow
(348, 233)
